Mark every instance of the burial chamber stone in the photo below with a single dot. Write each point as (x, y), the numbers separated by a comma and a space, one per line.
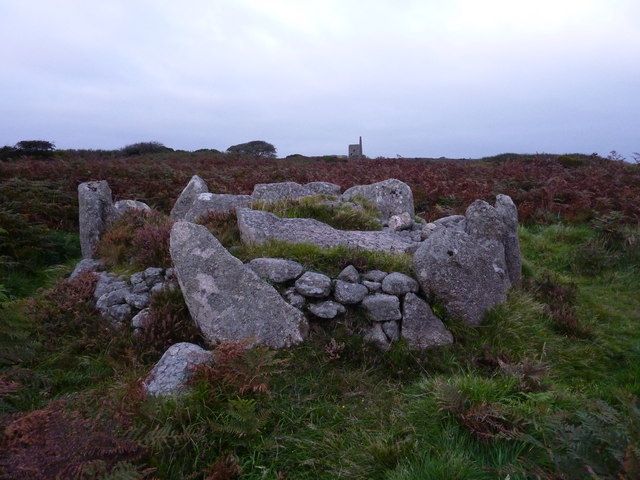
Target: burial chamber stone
(226, 298)
(95, 209)
(391, 197)
(206, 203)
(275, 192)
(258, 227)
(468, 275)
(185, 200)
(421, 329)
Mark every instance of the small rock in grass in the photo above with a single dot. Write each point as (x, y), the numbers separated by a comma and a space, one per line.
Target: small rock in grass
(171, 375)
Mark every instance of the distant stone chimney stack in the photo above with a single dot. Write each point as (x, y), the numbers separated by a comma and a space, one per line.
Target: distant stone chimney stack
(355, 150)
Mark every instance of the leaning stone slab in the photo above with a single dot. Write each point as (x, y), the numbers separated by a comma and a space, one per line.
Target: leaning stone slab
(95, 211)
(195, 187)
(226, 298)
(221, 203)
(421, 329)
(468, 275)
(276, 270)
(258, 227)
(171, 375)
(391, 197)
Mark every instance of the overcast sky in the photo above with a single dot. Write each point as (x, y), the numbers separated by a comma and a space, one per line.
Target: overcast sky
(462, 78)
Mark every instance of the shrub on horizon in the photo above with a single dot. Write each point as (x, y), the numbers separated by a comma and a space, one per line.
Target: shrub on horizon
(143, 148)
(258, 148)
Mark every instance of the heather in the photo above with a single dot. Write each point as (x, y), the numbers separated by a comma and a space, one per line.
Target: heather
(546, 388)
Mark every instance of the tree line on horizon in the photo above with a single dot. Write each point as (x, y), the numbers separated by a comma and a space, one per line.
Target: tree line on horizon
(46, 149)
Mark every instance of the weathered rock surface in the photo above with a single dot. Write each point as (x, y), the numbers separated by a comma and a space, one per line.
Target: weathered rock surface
(87, 265)
(391, 197)
(499, 223)
(276, 270)
(95, 211)
(226, 298)
(349, 274)
(421, 329)
(509, 214)
(141, 319)
(349, 293)
(326, 310)
(294, 298)
(381, 307)
(275, 192)
(373, 287)
(376, 336)
(467, 275)
(323, 188)
(195, 187)
(391, 330)
(401, 222)
(258, 227)
(375, 276)
(170, 376)
(397, 283)
(314, 285)
(123, 206)
(221, 203)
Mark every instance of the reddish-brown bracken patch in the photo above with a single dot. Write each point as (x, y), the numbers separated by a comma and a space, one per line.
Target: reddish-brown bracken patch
(55, 443)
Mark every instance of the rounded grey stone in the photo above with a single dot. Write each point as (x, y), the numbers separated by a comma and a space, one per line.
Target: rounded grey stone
(171, 375)
(349, 293)
(276, 270)
(315, 285)
(327, 309)
(381, 307)
(374, 275)
(374, 287)
(349, 274)
(397, 283)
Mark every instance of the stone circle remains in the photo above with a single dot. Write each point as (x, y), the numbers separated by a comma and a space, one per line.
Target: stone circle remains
(464, 263)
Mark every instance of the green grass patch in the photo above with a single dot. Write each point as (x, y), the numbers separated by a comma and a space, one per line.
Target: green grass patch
(514, 398)
(359, 214)
(327, 260)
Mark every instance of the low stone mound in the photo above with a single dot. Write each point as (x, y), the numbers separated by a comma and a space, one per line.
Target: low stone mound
(259, 227)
